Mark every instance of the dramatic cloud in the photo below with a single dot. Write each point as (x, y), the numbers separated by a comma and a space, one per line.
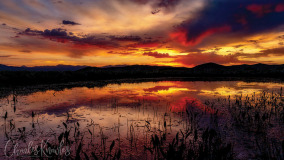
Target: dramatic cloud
(235, 16)
(144, 32)
(182, 35)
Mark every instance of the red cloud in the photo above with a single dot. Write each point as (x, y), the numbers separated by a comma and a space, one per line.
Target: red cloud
(260, 9)
(182, 35)
(279, 8)
(82, 46)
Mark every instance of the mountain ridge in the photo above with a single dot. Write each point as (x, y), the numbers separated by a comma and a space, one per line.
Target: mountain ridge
(61, 67)
(86, 73)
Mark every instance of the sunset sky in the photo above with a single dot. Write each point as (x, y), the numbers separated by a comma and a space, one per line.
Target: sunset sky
(144, 32)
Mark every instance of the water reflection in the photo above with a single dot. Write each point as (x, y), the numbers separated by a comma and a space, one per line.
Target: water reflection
(112, 110)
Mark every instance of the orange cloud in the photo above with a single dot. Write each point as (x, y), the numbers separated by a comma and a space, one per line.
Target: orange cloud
(145, 44)
(194, 59)
(157, 55)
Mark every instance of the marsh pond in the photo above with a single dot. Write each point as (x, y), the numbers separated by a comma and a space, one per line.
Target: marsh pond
(145, 120)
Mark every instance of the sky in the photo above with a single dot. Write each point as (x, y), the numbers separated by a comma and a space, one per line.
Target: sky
(182, 33)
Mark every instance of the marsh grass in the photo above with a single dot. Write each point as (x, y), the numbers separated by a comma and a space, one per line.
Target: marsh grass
(192, 143)
(257, 115)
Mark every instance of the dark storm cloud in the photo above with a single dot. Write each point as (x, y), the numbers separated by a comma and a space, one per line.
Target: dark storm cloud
(66, 22)
(81, 44)
(242, 17)
(55, 32)
(61, 35)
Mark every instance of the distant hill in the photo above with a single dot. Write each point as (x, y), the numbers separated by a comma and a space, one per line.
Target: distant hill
(41, 68)
(132, 68)
(212, 69)
(62, 73)
(209, 66)
(204, 70)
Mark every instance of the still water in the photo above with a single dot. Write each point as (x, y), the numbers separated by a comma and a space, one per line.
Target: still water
(127, 113)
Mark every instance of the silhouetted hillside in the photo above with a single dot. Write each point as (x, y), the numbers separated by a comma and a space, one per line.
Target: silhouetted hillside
(41, 68)
(257, 70)
(209, 66)
(209, 70)
(10, 68)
